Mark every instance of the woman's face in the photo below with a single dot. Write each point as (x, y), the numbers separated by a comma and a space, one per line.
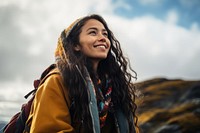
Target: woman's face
(93, 39)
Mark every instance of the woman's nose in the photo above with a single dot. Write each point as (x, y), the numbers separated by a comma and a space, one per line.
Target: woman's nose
(102, 38)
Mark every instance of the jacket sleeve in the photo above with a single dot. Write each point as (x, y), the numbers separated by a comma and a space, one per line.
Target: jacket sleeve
(50, 110)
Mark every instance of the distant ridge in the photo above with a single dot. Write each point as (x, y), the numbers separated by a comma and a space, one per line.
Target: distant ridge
(169, 106)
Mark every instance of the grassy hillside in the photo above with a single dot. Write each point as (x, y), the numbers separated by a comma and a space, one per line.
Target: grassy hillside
(169, 106)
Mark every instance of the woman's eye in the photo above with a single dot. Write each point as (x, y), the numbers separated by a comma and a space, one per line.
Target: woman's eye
(92, 33)
(105, 34)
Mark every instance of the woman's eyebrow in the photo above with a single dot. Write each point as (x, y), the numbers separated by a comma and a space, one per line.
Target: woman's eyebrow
(91, 28)
(94, 28)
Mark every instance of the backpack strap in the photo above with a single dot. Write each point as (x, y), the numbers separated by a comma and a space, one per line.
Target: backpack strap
(47, 71)
(37, 82)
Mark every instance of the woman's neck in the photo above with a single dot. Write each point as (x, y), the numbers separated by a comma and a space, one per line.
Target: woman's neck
(95, 66)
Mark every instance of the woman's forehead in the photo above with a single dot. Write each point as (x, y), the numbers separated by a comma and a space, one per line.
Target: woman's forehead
(93, 23)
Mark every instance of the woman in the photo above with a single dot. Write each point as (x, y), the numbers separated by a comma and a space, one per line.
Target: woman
(90, 90)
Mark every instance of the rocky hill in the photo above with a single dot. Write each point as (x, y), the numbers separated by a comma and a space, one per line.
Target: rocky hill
(169, 106)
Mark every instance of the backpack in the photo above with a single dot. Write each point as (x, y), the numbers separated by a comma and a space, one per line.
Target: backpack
(18, 121)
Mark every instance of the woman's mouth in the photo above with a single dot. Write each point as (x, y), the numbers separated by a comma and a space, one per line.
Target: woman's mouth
(103, 46)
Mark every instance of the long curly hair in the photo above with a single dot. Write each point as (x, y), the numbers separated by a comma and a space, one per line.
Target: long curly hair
(116, 65)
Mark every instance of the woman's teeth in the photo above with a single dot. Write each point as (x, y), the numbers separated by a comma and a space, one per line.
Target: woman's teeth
(101, 46)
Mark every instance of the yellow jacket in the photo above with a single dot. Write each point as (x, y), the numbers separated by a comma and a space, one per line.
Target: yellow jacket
(50, 108)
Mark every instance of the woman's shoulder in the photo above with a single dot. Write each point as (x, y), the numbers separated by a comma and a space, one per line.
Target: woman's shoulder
(55, 72)
(52, 75)
(54, 79)
(53, 84)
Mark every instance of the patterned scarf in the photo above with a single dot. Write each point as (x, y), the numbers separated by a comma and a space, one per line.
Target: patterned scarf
(103, 100)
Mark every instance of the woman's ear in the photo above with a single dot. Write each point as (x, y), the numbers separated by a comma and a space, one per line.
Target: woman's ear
(77, 48)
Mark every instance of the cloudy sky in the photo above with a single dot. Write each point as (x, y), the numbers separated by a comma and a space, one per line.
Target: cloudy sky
(160, 37)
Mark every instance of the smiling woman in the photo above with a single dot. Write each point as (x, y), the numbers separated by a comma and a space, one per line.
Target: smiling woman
(94, 42)
(90, 89)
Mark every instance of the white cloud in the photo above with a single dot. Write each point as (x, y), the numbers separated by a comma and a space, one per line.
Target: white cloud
(159, 48)
(10, 2)
(195, 27)
(172, 17)
(122, 4)
(15, 91)
(43, 21)
(11, 98)
(150, 42)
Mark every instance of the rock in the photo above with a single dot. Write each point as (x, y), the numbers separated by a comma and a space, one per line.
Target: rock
(169, 106)
(174, 128)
